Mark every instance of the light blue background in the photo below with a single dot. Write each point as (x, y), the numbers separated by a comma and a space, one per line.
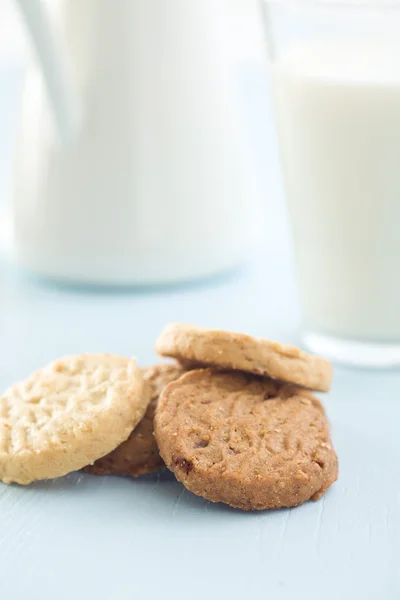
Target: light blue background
(112, 538)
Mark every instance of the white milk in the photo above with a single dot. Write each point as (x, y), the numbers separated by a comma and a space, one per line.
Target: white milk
(338, 112)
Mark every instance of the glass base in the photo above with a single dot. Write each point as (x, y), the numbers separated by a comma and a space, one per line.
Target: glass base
(361, 354)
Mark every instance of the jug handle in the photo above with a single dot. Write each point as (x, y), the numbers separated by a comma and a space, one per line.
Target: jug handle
(60, 89)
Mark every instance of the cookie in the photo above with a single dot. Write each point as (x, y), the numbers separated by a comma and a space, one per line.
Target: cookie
(139, 455)
(67, 415)
(250, 442)
(195, 346)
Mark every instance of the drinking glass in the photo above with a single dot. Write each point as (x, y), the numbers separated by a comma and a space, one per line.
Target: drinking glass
(335, 83)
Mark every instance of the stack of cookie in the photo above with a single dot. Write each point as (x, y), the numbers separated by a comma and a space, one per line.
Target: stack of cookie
(232, 417)
(246, 430)
(139, 454)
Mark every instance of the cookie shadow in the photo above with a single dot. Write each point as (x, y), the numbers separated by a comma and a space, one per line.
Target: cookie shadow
(173, 496)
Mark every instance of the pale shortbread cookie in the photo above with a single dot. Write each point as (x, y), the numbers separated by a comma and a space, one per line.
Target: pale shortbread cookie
(68, 414)
(195, 346)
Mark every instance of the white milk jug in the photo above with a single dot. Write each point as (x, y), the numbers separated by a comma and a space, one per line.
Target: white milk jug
(131, 165)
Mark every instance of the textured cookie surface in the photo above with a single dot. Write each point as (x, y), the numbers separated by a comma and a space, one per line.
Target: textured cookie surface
(139, 454)
(67, 415)
(250, 442)
(228, 350)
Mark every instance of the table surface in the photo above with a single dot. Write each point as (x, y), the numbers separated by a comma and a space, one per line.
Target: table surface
(84, 536)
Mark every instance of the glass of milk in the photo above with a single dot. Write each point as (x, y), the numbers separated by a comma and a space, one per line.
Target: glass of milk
(335, 82)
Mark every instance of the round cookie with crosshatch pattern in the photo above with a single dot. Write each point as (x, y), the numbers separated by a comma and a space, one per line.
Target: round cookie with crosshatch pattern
(250, 442)
(197, 347)
(67, 415)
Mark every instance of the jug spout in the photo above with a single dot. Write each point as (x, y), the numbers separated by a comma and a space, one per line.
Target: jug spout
(60, 89)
